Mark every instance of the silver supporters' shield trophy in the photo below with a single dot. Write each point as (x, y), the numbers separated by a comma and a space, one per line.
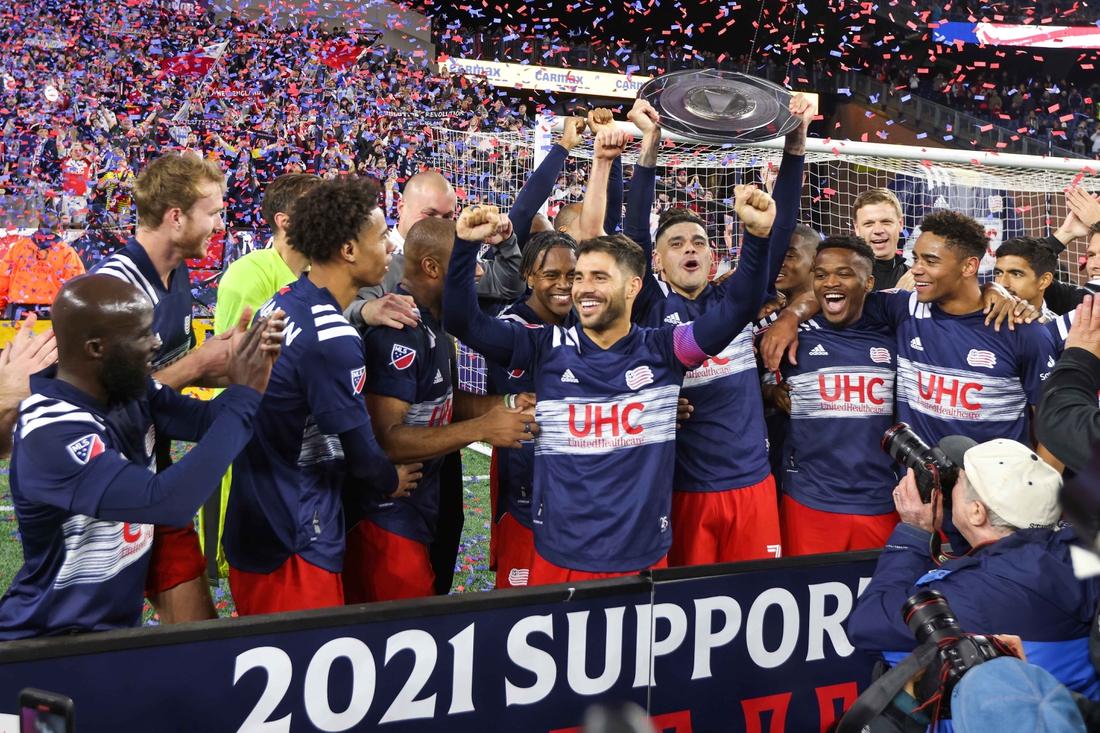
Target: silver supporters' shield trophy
(720, 107)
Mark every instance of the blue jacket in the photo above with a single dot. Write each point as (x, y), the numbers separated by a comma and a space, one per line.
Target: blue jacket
(1022, 584)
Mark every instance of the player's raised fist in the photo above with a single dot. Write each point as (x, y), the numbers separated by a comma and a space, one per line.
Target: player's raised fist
(644, 117)
(755, 209)
(600, 119)
(610, 143)
(803, 108)
(571, 132)
(477, 223)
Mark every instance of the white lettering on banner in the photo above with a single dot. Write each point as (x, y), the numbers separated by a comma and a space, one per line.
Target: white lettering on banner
(280, 671)
(577, 657)
(755, 629)
(718, 622)
(405, 706)
(705, 636)
(363, 676)
(821, 624)
(531, 659)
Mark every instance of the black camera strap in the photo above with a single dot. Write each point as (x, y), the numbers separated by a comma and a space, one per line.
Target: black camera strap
(879, 695)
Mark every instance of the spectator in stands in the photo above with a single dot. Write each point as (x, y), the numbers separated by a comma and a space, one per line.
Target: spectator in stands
(34, 268)
(1021, 582)
(83, 475)
(877, 218)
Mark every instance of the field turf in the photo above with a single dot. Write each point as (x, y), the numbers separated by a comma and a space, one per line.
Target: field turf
(472, 572)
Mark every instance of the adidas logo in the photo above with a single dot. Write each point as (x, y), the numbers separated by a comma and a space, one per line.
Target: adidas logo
(818, 350)
(674, 318)
(568, 377)
(916, 344)
(438, 377)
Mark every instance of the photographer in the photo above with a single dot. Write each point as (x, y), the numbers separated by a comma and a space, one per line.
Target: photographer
(1017, 580)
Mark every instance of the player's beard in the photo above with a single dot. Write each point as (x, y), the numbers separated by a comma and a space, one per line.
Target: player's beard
(123, 376)
(192, 243)
(612, 312)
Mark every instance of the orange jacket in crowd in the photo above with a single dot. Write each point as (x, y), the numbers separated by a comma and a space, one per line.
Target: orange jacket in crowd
(32, 275)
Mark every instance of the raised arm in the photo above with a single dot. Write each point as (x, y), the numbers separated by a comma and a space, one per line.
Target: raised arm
(639, 202)
(608, 146)
(788, 188)
(540, 184)
(714, 330)
(494, 339)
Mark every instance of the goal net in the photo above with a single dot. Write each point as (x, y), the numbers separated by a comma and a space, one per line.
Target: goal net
(1011, 195)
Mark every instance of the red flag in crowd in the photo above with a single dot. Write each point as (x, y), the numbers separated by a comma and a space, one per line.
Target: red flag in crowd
(196, 62)
(340, 53)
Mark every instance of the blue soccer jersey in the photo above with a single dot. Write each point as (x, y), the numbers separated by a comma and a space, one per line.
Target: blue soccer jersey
(515, 466)
(171, 304)
(725, 394)
(412, 365)
(957, 376)
(1059, 330)
(842, 402)
(287, 483)
(605, 454)
(85, 495)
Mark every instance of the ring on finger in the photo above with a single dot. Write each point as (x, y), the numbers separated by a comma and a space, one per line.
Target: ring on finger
(526, 427)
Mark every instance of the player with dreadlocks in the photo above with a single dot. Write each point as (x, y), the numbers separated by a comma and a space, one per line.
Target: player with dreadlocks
(548, 263)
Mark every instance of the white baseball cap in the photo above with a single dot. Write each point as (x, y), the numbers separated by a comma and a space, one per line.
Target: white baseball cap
(1010, 478)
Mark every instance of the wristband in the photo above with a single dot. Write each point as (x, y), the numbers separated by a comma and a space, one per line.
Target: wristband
(510, 401)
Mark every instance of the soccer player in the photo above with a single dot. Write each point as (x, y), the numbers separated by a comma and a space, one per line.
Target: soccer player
(955, 374)
(877, 219)
(179, 200)
(411, 398)
(1025, 267)
(608, 392)
(838, 483)
(83, 478)
(284, 524)
(724, 505)
(549, 261)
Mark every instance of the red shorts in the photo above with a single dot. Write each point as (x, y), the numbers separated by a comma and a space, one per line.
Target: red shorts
(295, 586)
(175, 558)
(809, 531)
(544, 572)
(515, 552)
(383, 566)
(725, 526)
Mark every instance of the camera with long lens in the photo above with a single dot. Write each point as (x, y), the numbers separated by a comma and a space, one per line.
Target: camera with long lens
(931, 619)
(933, 469)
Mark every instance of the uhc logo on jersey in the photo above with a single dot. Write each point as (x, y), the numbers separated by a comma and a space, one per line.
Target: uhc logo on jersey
(981, 358)
(639, 377)
(402, 357)
(358, 378)
(880, 355)
(86, 448)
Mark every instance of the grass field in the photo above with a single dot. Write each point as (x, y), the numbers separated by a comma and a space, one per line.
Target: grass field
(472, 573)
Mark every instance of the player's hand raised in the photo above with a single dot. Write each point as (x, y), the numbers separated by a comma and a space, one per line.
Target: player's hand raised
(1085, 331)
(506, 427)
(391, 310)
(572, 132)
(600, 118)
(478, 223)
(408, 474)
(803, 108)
(644, 117)
(504, 231)
(250, 363)
(755, 208)
(610, 143)
(27, 354)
